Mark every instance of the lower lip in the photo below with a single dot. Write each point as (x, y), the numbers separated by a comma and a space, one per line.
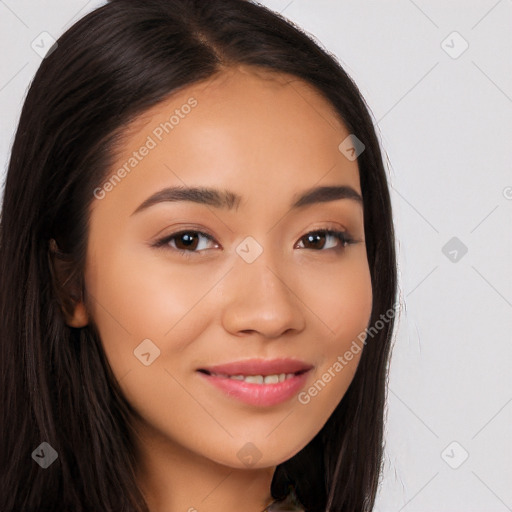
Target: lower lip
(262, 395)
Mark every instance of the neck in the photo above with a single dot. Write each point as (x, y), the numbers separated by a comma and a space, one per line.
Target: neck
(172, 477)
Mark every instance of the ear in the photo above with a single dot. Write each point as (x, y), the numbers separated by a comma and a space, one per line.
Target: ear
(67, 286)
(78, 317)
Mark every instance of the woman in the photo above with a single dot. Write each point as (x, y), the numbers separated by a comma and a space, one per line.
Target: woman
(198, 271)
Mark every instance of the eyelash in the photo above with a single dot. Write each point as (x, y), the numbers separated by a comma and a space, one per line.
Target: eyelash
(342, 237)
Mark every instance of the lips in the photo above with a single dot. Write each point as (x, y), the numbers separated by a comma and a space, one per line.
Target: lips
(258, 382)
(258, 367)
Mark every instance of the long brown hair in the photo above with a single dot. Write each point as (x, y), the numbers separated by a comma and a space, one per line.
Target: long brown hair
(55, 382)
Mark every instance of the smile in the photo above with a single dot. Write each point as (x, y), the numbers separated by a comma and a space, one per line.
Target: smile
(261, 383)
(258, 379)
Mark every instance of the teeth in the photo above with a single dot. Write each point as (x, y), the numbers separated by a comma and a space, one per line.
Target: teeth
(259, 379)
(254, 379)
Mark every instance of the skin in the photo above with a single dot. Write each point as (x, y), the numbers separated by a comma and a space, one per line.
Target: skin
(267, 137)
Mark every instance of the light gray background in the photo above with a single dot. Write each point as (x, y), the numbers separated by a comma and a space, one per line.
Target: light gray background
(444, 120)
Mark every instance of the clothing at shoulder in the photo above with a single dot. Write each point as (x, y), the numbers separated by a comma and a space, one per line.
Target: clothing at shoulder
(289, 504)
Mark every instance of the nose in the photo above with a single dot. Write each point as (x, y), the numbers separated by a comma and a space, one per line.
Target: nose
(259, 297)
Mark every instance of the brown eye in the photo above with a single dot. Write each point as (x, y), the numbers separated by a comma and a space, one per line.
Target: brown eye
(186, 241)
(317, 239)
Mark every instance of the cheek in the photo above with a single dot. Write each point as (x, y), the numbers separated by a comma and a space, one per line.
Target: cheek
(341, 301)
(134, 299)
(344, 305)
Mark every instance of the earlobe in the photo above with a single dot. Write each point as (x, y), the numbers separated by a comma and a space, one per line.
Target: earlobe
(67, 286)
(78, 318)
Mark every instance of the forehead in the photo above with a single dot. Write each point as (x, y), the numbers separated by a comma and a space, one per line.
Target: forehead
(242, 87)
(259, 132)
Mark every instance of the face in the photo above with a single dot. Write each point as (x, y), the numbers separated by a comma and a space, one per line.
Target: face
(192, 294)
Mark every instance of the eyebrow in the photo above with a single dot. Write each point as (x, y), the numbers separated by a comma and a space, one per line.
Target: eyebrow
(229, 200)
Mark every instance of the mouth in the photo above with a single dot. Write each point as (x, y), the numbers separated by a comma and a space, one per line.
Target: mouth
(274, 378)
(259, 382)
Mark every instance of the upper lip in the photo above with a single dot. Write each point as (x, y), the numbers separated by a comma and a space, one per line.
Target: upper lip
(259, 367)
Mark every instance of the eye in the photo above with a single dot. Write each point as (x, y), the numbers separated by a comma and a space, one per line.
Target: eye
(186, 242)
(319, 237)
